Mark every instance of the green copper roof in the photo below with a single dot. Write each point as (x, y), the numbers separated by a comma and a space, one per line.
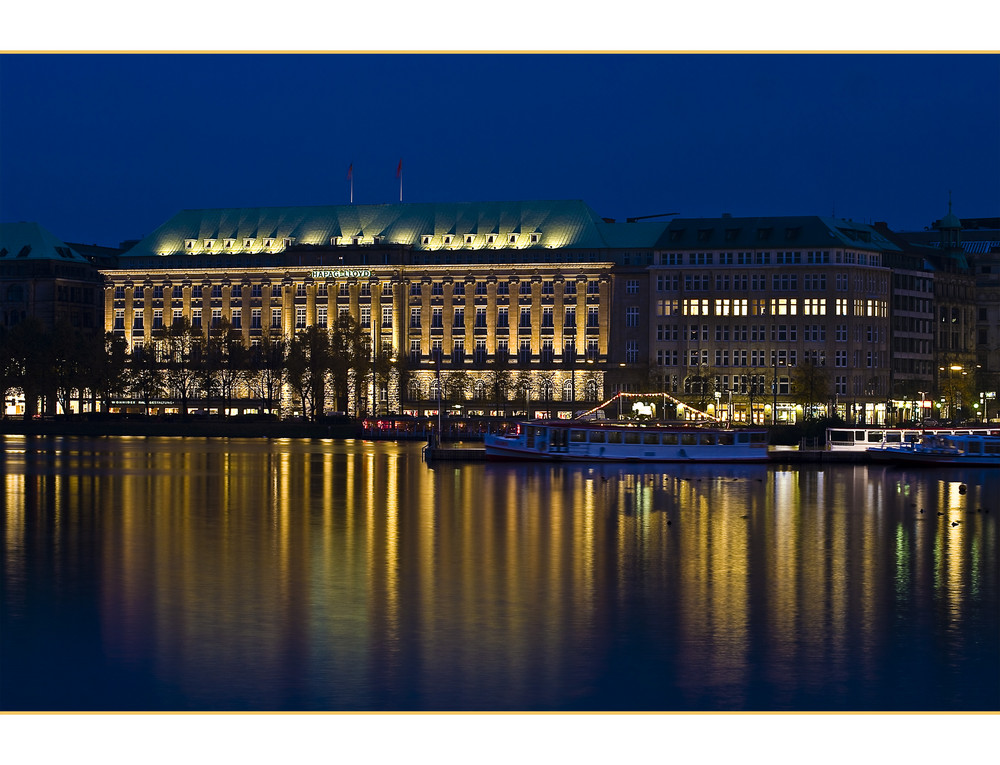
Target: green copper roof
(422, 226)
(773, 233)
(20, 241)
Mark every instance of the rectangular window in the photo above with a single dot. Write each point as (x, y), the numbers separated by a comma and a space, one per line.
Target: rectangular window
(254, 318)
(196, 318)
(593, 288)
(458, 288)
(593, 350)
(415, 351)
(276, 318)
(480, 317)
(217, 290)
(547, 319)
(236, 320)
(255, 291)
(548, 288)
(632, 286)
(216, 317)
(525, 318)
(632, 352)
(593, 317)
(503, 288)
(459, 318)
(503, 317)
(321, 316)
(415, 318)
(632, 316)
(137, 319)
(366, 317)
(387, 317)
(437, 317)
(458, 350)
(415, 289)
(157, 318)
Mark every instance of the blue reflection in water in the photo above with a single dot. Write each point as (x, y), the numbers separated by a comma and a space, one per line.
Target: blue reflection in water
(294, 574)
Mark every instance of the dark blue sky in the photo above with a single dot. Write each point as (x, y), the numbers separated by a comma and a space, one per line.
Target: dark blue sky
(102, 148)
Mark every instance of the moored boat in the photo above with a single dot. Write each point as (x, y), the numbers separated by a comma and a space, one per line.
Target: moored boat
(615, 441)
(942, 450)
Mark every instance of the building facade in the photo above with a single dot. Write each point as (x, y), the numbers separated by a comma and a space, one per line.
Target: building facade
(771, 319)
(496, 308)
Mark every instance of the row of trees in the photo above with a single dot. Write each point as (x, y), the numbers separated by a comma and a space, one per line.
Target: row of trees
(187, 364)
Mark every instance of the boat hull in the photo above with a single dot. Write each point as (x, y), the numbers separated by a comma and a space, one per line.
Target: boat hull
(554, 443)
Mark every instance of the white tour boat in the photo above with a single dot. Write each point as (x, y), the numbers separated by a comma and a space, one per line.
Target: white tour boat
(619, 441)
(937, 449)
(860, 439)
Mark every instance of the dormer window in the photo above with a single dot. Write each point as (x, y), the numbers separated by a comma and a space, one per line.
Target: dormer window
(247, 243)
(288, 241)
(269, 243)
(376, 240)
(355, 240)
(209, 244)
(534, 238)
(447, 239)
(470, 238)
(229, 243)
(491, 239)
(512, 239)
(425, 240)
(189, 244)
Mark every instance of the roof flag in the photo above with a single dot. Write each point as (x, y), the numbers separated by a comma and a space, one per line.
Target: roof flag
(350, 177)
(399, 174)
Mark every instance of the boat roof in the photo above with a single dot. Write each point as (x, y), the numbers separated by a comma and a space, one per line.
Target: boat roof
(625, 424)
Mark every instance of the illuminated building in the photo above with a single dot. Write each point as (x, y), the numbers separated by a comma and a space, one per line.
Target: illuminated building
(456, 290)
(739, 305)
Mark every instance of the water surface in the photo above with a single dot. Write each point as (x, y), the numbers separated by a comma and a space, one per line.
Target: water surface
(230, 574)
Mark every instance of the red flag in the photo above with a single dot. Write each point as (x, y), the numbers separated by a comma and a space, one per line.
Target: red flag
(399, 168)
(350, 171)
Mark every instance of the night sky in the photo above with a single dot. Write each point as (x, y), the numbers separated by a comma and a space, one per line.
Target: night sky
(104, 148)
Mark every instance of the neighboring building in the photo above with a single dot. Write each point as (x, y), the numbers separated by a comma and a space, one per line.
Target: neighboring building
(969, 250)
(740, 304)
(43, 277)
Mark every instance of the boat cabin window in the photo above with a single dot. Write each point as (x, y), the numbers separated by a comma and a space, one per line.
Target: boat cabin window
(758, 438)
(842, 436)
(689, 439)
(742, 438)
(726, 439)
(631, 438)
(578, 436)
(614, 437)
(992, 447)
(707, 439)
(875, 436)
(651, 438)
(597, 436)
(670, 439)
(893, 437)
(974, 447)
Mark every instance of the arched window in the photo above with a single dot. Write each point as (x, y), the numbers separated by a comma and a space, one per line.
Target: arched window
(434, 391)
(479, 389)
(567, 390)
(546, 390)
(591, 390)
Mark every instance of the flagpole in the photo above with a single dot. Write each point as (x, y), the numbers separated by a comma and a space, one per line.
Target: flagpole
(350, 177)
(399, 174)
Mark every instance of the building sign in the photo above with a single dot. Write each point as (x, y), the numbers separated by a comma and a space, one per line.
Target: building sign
(343, 273)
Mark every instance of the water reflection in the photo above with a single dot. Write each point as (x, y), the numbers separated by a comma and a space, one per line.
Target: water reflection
(291, 574)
